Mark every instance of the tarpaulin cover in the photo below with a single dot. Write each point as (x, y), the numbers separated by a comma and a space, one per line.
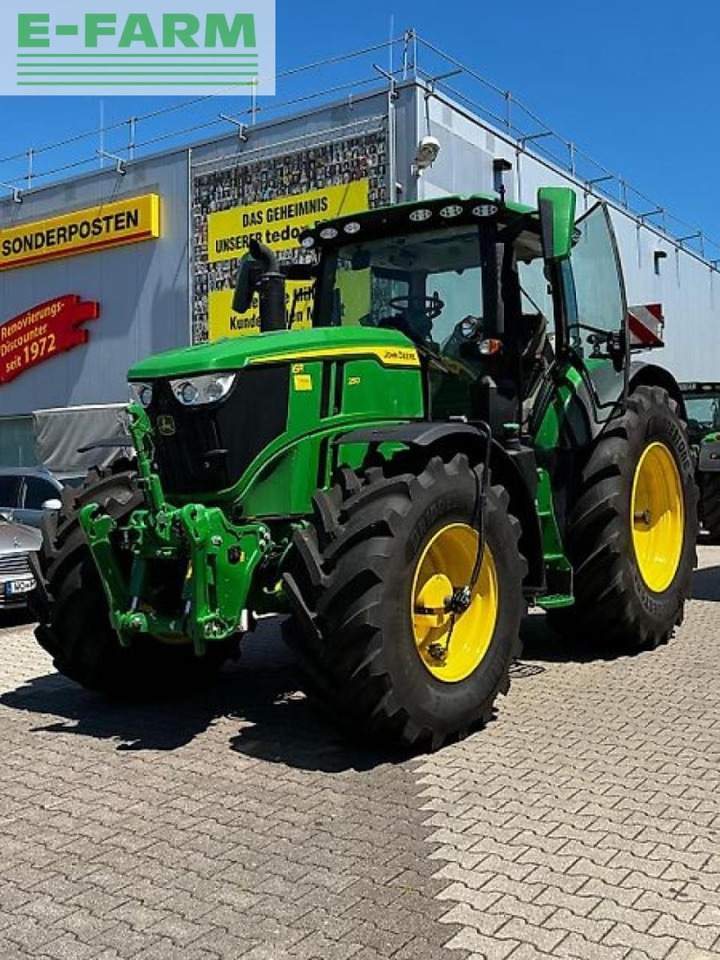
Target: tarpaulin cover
(60, 433)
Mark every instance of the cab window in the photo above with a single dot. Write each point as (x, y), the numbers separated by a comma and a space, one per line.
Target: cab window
(424, 285)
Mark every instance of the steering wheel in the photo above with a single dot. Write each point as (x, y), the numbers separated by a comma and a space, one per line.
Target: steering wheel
(431, 307)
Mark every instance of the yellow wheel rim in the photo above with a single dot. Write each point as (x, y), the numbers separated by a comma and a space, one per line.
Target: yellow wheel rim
(446, 564)
(658, 516)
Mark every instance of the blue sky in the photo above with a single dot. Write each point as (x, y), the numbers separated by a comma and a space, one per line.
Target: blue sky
(634, 84)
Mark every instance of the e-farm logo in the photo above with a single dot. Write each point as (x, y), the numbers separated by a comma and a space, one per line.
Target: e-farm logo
(85, 47)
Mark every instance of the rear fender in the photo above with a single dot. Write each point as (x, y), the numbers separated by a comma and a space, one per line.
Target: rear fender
(651, 375)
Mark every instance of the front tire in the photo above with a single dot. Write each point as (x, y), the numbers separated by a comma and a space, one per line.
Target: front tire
(72, 609)
(369, 584)
(631, 537)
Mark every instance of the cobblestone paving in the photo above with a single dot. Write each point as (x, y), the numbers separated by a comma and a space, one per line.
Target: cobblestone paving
(584, 823)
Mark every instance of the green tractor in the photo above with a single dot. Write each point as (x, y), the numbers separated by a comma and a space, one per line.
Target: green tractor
(460, 432)
(702, 402)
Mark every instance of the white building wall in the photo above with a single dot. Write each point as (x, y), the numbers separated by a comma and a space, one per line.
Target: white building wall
(687, 286)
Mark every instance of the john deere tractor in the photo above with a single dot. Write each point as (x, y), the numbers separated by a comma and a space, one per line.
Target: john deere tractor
(702, 401)
(460, 431)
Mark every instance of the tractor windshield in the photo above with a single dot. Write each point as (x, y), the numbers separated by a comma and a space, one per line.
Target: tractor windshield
(424, 285)
(441, 288)
(474, 296)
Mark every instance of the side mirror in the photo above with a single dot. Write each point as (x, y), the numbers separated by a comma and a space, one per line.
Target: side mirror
(52, 504)
(556, 207)
(245, 285)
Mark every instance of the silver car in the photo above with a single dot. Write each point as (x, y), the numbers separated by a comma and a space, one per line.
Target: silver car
(27, 492)
(17, 542)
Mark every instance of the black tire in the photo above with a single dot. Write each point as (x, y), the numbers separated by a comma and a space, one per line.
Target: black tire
(710, 503)
(71, 607)
(614, 607)
(350, 585)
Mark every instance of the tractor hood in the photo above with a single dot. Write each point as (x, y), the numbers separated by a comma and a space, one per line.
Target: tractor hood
(233, 353)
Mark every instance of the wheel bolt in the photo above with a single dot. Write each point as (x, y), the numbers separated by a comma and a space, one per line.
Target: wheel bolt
(438, 652)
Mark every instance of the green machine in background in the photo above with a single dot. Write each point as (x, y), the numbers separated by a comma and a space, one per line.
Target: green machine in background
(702, 402)
(460, 432)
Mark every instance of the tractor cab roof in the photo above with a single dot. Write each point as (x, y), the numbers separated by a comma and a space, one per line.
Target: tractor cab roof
(411, 217)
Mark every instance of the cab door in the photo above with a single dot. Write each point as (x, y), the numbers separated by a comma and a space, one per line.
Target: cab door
(597, 318)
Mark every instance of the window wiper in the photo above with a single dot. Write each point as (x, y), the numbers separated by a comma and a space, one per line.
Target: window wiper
(434, 356)
(451, 367)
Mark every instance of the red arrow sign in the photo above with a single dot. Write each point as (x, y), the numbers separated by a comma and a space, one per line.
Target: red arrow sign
(41, 332)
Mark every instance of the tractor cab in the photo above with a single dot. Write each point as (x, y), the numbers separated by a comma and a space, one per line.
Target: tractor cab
(464, 281)
(492, 294)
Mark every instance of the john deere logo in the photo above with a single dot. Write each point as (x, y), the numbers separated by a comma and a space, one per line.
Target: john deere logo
(71, 48)
(166, 425)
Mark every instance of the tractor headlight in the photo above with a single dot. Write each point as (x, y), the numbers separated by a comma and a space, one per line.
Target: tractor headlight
(209, 388)
(141, 393)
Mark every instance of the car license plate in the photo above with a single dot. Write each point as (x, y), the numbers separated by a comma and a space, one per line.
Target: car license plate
(13, 587)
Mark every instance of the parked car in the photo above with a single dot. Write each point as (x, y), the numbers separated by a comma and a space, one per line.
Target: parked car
(17, 542)
(25, 492)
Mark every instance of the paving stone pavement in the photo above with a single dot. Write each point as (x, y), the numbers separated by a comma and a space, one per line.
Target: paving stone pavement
(584, 823)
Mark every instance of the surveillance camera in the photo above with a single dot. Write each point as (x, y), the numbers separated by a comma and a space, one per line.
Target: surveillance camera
(427, 152)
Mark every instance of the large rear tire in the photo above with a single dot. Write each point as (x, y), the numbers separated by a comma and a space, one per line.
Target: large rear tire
(631, 537)
(72, 610)
(369, 582)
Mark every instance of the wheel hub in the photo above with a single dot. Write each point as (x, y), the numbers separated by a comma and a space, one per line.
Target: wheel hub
(453, 623)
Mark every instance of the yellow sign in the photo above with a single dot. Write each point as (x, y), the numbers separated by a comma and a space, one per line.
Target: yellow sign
(224, 322)
(278, 223)
(95, 228)
(302, 382)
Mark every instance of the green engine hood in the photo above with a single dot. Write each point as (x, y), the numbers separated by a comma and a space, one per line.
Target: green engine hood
(232, 353)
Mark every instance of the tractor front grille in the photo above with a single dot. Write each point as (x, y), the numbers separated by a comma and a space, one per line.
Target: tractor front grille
(207, 448)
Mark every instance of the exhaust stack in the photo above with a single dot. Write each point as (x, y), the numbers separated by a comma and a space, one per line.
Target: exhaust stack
(270, 287)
